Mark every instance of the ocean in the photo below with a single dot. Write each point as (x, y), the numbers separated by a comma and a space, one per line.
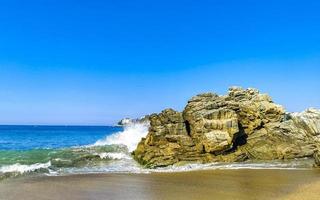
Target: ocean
(55, 150)
(62, 150)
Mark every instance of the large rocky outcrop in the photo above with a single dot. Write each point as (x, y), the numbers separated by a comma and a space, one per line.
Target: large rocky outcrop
(243, 124)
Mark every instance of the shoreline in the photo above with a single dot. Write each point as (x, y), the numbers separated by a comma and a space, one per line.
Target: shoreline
(202, 184)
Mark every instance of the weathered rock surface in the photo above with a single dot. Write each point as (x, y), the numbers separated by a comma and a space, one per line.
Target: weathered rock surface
(243, 124)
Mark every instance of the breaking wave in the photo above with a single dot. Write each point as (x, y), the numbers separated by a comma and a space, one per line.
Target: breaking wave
(130, 136)
(110, 154)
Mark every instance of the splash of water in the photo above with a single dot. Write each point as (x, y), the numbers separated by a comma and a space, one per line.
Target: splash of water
(130, 136)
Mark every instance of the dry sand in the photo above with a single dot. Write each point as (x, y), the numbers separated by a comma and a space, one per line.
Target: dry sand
(211, 184)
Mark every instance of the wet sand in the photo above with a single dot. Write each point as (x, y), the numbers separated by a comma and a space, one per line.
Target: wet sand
(211, 184)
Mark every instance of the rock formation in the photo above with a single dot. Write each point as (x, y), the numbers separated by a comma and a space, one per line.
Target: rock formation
(241, 125)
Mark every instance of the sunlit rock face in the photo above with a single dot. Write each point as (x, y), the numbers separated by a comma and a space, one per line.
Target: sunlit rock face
(243, 124)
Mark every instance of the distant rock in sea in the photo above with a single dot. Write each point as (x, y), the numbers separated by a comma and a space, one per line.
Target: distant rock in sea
(128, 121)
(242, 125)
(125, 121)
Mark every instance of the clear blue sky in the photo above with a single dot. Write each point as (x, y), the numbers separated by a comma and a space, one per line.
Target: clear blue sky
(94, 62)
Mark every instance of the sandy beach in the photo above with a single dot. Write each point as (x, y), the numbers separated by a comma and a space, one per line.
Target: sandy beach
(209, 184)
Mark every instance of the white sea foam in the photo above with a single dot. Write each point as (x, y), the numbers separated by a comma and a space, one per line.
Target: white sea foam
(130, 136)
(298, 164)
(24, 168)
(130, 166)
(113, 155)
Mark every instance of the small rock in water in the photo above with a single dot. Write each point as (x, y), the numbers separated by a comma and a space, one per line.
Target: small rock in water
(128, 121)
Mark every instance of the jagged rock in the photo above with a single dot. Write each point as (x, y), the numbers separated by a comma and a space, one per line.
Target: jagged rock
(243, 124)
(296, 137)
(166, 142)
(212, 130)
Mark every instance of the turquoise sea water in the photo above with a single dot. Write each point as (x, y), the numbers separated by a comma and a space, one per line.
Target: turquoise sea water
(61, 149)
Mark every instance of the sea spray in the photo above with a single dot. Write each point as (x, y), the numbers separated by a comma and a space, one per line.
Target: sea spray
(130, 136)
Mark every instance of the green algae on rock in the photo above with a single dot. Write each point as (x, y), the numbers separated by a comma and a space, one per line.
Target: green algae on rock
(242, 125)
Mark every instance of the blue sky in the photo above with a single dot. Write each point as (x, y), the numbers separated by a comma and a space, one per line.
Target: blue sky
(94, 62)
